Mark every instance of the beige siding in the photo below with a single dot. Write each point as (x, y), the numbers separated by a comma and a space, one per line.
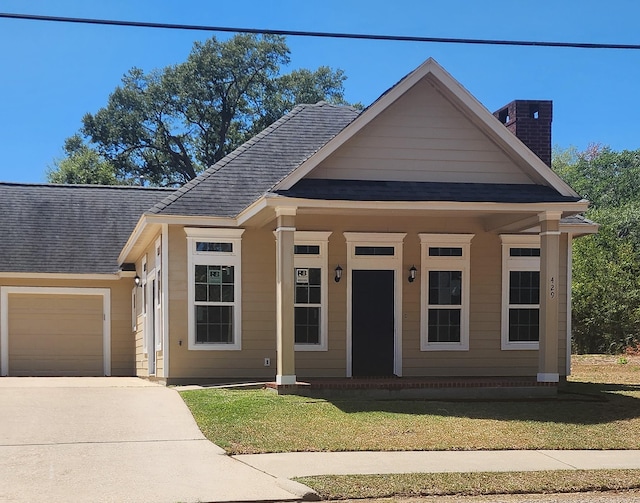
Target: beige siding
(122, 340)
(484, 357)
(421, 137)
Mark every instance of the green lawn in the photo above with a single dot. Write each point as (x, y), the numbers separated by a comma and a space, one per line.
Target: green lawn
(599, 410)
(470, 484)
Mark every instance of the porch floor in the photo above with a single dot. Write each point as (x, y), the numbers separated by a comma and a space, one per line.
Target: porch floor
(420, 387)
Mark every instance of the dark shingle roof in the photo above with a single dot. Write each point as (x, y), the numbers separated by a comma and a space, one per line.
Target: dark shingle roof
(242, 177)
(78, 229)
(366, 190)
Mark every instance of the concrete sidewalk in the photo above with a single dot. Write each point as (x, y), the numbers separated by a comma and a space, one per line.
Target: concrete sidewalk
(300, 464)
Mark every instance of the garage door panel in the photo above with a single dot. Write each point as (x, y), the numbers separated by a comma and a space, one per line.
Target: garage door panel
(55, 335)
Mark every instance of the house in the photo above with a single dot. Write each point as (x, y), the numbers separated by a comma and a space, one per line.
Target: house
(421, 237)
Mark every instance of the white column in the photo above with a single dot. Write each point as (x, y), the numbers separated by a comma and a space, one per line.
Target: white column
(549, 296)
(285, 323)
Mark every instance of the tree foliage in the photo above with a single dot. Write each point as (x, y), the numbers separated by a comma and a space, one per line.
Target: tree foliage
(81, 166)
(170, 124)
(606, 266)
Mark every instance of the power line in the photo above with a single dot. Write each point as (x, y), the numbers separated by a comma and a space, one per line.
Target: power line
(320, 34)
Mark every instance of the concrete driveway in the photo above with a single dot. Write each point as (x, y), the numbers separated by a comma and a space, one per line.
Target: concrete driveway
(113, 440)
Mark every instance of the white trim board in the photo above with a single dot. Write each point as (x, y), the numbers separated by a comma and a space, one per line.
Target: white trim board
(5, 291)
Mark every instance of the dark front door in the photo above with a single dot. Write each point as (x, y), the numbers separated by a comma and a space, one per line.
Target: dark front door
(372, 318)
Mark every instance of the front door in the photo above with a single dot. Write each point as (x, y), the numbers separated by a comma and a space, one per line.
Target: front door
(372, 331)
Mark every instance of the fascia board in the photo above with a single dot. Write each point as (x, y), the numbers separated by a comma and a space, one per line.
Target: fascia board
(60, 276)
(570, 207)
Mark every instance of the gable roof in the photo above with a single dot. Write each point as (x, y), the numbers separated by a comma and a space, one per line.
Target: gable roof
(462, 100)
(68, 229)
(281, 156)
(247, 173)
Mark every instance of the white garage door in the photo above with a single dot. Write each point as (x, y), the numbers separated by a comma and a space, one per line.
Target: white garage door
(54, 334)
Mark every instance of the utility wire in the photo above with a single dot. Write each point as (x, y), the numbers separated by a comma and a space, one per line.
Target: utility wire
(300, 33)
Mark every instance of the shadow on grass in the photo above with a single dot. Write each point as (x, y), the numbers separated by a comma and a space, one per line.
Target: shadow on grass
(577, 403)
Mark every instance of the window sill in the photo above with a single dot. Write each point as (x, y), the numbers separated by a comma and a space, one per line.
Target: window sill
(310, 347)
(519, 346)
(443, 346)
(214, 347)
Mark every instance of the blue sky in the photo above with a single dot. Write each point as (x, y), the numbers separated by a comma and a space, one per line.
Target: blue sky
(53, 73)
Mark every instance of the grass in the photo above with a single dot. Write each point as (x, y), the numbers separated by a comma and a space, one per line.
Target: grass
(470, 484)
(600, 409)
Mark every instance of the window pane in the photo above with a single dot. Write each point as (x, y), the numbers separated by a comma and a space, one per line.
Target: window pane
(227, 293)
(302, 294)
(306, 249)
(214, 324)
(444, 325)
(524, 252)
(314, 295)
(445, 252)
(201, 293)
(375, 250)
(307, 325)
(524, 325)
(201, 274)
(445, 288)
(203, 246)
(524, 287)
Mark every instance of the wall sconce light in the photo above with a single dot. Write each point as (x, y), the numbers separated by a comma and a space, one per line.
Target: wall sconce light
(136, 280)
(338, 274)
(412, 274)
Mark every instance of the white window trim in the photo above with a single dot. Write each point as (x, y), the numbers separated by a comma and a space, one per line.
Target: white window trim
(520, 264)
(321, 261)
(234, 259)
(445, 264)
(373, 262)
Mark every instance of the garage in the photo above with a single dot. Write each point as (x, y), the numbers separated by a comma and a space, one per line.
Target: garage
(54, 331)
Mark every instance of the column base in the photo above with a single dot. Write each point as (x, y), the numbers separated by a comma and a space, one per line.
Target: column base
(548, 377)
(285, 379)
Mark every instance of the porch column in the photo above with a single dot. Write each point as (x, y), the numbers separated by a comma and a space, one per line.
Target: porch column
(549, 295)
(286, 365)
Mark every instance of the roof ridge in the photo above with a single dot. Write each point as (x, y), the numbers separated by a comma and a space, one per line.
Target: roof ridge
(210, 171)
(85, 186)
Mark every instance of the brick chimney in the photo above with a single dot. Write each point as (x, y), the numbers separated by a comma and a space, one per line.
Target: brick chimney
(530, 121)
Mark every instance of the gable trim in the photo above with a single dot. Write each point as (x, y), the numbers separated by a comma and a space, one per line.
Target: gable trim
(461, 99)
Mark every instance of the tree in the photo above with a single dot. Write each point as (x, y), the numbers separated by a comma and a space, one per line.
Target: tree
(606, 266)
(81, 166)
(170, 124)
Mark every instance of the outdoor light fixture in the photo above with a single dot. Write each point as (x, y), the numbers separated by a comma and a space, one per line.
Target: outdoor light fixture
(338, 274)
(412, 274)
(136, 280)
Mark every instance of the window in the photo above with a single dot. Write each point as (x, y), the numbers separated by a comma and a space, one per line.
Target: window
(520, 291)
(387, 251)
(214, 288)
(311, 297)
(445, 292)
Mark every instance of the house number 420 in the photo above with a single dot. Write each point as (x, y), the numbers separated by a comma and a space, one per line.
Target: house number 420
(552, 288)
